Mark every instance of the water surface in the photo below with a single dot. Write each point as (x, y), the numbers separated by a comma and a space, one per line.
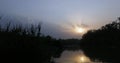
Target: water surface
(78, 56)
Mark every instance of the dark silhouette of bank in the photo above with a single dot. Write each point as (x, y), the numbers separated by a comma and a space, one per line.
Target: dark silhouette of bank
(70, 44)
(20, 44)
(103, 43)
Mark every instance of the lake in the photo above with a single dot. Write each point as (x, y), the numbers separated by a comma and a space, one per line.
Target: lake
(76, 56)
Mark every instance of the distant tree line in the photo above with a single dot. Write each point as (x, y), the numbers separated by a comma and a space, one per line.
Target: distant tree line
(20, 44)
(103, 43)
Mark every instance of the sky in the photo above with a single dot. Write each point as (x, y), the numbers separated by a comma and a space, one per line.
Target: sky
(59, 17)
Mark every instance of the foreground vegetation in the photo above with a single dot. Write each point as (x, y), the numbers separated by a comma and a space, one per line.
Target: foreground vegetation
(20, 44)
(104, 43)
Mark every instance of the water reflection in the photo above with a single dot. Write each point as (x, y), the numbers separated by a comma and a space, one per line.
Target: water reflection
(73, 57)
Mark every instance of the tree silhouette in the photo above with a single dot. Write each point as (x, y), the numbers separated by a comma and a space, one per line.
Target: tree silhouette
(104, 43)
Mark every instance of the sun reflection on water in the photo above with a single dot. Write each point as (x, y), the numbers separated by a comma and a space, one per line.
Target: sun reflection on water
(82, 59)
(72, 57)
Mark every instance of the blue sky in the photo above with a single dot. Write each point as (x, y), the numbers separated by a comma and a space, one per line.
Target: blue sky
(59, 15)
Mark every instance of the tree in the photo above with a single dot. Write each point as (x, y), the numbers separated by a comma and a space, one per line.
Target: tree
(103, 43)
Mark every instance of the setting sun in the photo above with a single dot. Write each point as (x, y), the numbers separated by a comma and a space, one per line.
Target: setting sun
(80, 30)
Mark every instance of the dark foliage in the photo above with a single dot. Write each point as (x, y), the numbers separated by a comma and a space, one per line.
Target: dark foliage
(104, 43)
(20, 44)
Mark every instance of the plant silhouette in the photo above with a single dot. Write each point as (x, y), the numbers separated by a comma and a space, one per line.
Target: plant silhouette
(20, 44)
(103, 43)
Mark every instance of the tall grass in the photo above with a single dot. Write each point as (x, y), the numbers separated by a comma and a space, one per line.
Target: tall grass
(18, 41)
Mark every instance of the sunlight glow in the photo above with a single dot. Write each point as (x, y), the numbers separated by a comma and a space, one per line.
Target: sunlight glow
(84, 59)
(80, 30)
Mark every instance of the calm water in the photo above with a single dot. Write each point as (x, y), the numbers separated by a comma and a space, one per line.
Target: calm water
(74, 57)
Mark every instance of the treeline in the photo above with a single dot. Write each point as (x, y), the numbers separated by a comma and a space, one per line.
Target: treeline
(70, 44)
(19, 44)
(103, 43)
